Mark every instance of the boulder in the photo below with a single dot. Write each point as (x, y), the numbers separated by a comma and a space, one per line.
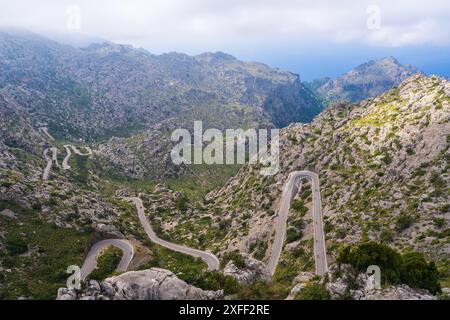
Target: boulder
(152, 284)
(401, 292)
(253, 271)
(66, 294)
(8, 214)
(304, 277)
(295, 290)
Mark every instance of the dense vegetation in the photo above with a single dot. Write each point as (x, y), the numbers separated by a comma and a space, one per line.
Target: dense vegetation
(37, 255)
(418, 273)
(236, 257)
(410, 268)
(214, 280)
(106, 264)
(313, 291)
(15, 245)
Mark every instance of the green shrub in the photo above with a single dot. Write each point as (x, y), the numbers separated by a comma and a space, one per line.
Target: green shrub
(438, 184)
(437, 181)
(225, 224)
(263, 291)
(82, 169)
(327, 227)
(313, 291)
(37, 206)
(387, 158)
(445, 208)
(419, 173)
(410, 151)
(371, 253)
(293, 235)
(403, 222)
(107, 264)
(181, 203)
(236, 257)
(418, 273)
(293, 139)
(213, 280)
(299, 207)
(386, 235)
(340, 233)
(15, 245)
(299, 224)
(298, 251)
(261, 249)
(439, 222)
(411, 268)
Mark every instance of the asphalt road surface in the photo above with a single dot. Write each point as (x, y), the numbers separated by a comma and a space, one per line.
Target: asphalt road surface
(65, 163)
(78, 152)
(68, 147)
(90, 262)
(290, 190)
(50, 161)
(210, 259)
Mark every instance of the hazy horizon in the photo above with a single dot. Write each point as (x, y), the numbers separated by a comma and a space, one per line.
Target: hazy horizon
(313, 40)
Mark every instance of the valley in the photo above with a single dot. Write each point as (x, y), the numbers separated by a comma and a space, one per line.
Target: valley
(86, 178)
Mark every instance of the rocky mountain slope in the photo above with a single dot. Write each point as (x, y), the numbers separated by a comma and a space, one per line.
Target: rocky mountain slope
(383, 166)
(384, 176)
(386, 158)
(367, 80)
(109, 90)
(131, 99)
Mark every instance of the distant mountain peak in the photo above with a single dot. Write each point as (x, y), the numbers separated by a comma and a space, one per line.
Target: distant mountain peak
(367, 80)
(108, 47)
(390, 59)
(386, 63)
(216, 56)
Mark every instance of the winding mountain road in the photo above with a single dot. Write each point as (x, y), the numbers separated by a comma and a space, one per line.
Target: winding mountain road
(65, 163)
(78, 152)
(50, 162)
(290, 190)
(210, 259)
(90, 262)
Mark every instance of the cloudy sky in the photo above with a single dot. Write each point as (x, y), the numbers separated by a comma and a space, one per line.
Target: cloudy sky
(313, 38)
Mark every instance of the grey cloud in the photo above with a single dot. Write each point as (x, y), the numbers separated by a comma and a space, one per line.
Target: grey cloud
(201, 22)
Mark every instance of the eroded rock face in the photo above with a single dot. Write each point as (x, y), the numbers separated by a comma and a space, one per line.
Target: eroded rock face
(152, 284)
(8, 214)
(254, 271)
(300, 282)
(391, 147)
(402, 292)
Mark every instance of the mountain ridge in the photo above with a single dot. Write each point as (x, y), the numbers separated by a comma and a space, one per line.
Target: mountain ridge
(364, 81)
(127, 88)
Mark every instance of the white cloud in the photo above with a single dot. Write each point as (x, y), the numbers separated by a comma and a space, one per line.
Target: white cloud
(201, 22)
(418, 34)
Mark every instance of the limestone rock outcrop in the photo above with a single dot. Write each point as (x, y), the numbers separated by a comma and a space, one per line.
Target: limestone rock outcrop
(152, 284)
